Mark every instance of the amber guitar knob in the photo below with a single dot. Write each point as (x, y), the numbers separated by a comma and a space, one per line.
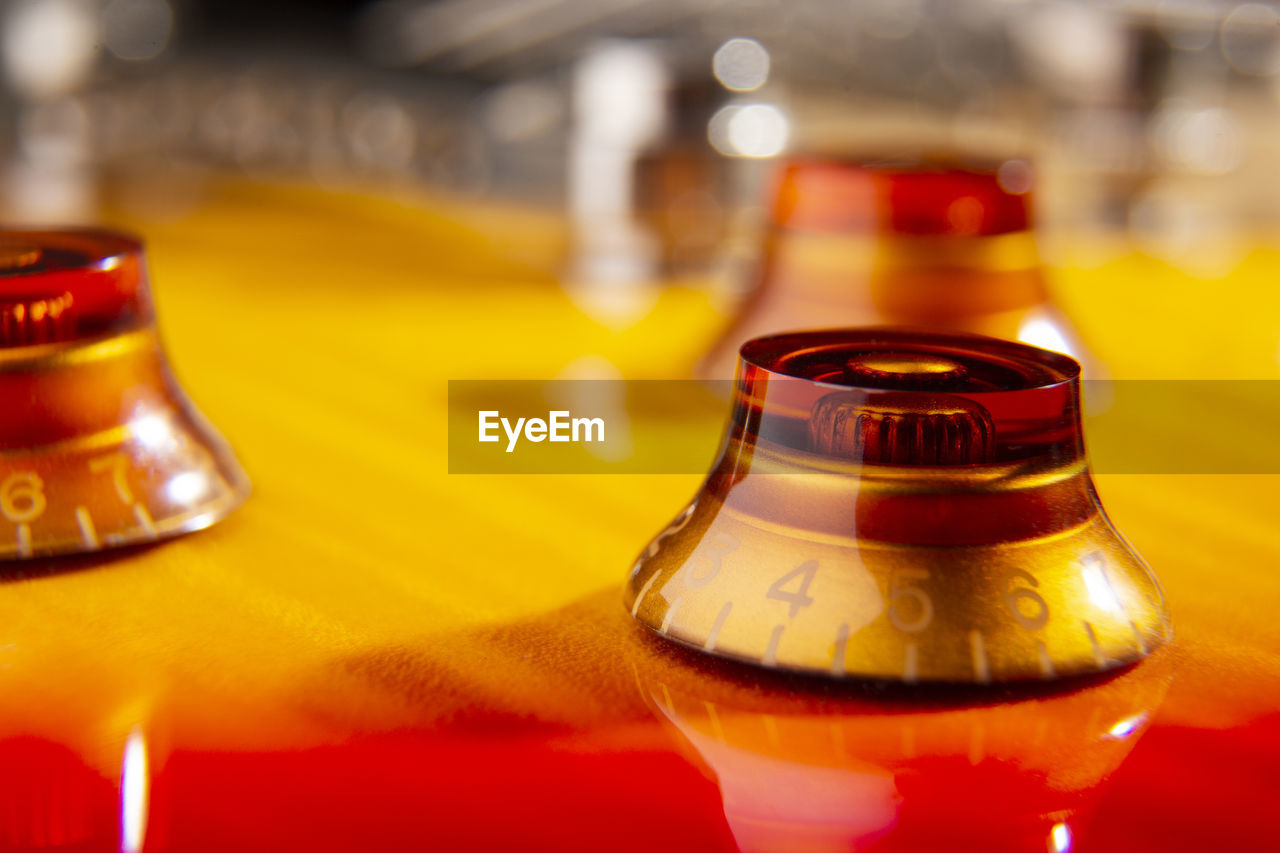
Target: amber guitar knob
(99, 446)
(902, 505)
(926, 243)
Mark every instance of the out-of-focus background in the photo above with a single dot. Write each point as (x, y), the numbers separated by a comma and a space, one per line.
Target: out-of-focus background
(347, 205)
(634, 140)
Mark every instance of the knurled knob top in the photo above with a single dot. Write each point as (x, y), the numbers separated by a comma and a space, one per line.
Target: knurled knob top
(902, 428)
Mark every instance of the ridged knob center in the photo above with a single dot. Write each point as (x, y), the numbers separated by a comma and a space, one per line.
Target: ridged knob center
(902, 428)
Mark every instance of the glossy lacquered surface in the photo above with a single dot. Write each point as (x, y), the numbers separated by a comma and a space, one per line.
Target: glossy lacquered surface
(374, 654)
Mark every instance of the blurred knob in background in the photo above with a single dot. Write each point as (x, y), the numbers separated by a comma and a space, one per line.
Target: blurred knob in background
(925, 243)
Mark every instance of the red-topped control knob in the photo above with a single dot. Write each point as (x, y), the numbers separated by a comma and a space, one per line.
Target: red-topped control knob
(930, 243)
(910, 398)
(900, 504)
(98, 444)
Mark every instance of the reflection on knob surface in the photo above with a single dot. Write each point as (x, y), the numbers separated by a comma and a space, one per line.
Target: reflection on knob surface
(800, 769)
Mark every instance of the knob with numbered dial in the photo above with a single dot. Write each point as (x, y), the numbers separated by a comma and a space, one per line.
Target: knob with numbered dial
(902, 505)
(99, 447)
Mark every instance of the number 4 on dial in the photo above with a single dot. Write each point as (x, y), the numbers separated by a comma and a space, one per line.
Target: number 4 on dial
(800, 578)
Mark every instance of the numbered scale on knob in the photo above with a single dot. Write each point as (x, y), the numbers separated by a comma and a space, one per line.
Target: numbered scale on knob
(899, 505)
(99, 447)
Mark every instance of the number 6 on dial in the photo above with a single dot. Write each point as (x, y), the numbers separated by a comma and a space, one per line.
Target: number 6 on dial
(901, 590)
(1040, 616)
(22, 497)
